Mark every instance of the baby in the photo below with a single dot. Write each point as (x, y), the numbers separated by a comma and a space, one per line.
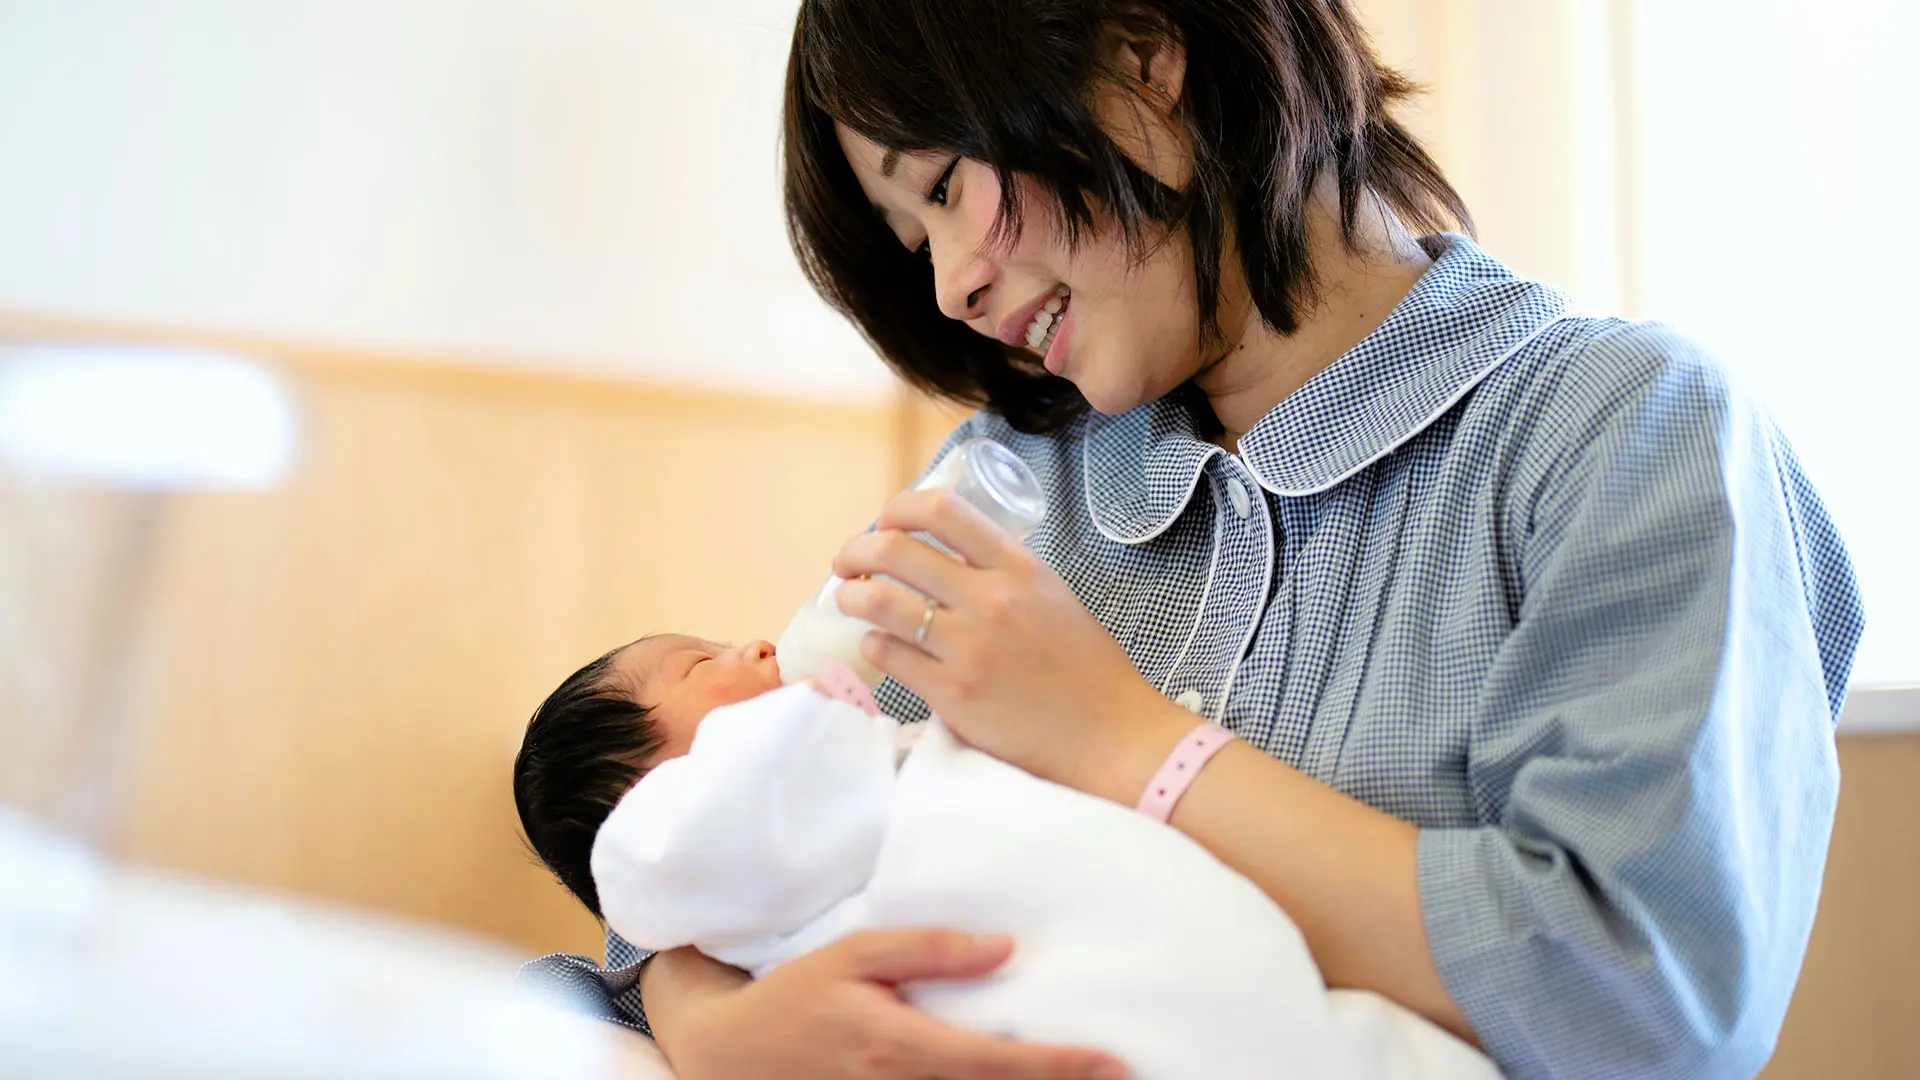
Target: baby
(688, 798)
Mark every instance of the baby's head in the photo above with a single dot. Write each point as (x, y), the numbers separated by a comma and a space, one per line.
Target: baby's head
(610, 722)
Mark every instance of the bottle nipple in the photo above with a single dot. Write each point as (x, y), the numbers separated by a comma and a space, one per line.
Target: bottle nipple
(982, 472)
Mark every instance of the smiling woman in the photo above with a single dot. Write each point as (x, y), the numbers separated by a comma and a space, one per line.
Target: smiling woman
(1529, 627)
(1340, 483)
(893, 195)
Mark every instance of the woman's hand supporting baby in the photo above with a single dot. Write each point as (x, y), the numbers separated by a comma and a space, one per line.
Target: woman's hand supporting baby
(837, 1012)
(1011, 661)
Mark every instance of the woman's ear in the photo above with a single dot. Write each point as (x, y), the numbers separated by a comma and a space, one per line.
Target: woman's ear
(1156, 66)
(1135, 104)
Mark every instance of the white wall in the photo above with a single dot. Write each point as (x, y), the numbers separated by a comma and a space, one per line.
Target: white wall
(585, 182)
(1738, 170)
(1780, 165)
(1521, 108)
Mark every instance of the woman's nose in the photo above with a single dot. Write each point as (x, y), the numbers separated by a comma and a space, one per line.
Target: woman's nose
(960, 281)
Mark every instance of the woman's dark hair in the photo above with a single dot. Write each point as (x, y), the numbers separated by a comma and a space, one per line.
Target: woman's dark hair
(1276, 94)
(585, 746)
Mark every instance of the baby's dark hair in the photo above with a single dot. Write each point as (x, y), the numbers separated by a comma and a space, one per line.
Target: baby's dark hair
(585, 746)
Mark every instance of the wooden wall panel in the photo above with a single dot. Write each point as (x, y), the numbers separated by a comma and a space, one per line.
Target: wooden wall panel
(353, 660)
(922, 425)
(345, 666)
(1856, 1013)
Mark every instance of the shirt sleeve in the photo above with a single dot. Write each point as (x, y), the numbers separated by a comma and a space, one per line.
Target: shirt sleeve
(1653, 759)
(576, 983)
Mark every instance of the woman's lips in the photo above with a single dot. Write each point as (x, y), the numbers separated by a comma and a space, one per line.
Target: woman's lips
(1056, 358)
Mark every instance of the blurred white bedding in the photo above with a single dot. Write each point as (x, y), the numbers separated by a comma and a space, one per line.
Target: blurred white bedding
(107, 972)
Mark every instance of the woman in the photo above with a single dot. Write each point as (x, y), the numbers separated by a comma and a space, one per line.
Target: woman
(1530, 629)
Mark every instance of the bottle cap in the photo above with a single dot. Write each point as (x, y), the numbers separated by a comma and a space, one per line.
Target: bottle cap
(1000, 486)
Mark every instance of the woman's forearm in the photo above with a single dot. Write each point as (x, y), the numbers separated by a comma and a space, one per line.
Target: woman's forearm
(1346, 873)
(674, 984)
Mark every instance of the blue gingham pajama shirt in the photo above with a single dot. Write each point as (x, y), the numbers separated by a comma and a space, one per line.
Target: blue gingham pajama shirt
(1550, 588)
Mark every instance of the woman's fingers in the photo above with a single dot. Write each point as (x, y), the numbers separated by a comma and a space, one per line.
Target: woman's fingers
(902, 956)
(953, 1054)
(838, 1011)
(905, 558)
(923, 1046)
(890, 606)
(942, 514)
(903, 662)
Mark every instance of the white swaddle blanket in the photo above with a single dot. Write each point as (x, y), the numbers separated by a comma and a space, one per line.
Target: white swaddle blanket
(792, 822)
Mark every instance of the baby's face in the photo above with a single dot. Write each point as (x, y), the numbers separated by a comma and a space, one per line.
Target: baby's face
(684, 678)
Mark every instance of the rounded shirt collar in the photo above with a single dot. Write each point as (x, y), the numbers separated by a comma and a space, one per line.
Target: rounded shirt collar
(1465, 315)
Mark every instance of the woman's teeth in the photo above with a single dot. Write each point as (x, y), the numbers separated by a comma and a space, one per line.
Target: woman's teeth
(1046, 324)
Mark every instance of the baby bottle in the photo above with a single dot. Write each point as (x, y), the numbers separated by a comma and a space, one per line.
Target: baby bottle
(985, 474)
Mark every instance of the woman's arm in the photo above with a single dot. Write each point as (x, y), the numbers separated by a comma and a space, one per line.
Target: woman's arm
(675, 985)
(1344, 871)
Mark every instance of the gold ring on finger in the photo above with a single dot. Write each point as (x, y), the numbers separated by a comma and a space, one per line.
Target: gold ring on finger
(926, 623)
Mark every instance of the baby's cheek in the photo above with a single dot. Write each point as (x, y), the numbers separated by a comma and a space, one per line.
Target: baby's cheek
(735, 691)
(676, 734)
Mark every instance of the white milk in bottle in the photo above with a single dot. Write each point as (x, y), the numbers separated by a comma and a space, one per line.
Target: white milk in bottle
(985, 474)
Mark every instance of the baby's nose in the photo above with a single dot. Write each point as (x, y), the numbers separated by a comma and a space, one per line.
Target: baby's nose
(757, 650)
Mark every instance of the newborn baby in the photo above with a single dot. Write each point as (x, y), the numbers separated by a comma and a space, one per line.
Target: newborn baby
(688, 798)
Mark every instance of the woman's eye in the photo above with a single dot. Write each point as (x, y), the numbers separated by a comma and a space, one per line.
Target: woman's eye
(938, 196)
(925, 250)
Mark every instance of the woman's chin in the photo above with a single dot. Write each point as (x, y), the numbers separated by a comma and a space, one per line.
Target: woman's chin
(1110, 404)
(1109, 399)
(1103, 395)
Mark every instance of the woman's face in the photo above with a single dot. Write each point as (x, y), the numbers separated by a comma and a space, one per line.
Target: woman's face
(1126, 332)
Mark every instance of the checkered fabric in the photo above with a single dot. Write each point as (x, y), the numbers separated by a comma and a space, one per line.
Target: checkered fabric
(1550, 588)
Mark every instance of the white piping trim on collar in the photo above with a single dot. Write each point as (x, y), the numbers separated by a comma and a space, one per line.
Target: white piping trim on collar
(1414, 430)
(1093, 515)
(1200, 614)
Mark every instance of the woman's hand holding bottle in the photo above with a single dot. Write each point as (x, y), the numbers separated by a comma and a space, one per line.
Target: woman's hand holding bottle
(1010, 660)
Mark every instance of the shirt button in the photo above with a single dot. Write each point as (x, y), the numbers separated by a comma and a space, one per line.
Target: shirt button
(1191, 700)
(1237, 495)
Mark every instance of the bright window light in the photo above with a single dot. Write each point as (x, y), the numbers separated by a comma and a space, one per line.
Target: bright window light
(1780, 160)
(143, 418)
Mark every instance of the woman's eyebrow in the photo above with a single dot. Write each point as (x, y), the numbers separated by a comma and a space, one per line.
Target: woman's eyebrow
(889, 162)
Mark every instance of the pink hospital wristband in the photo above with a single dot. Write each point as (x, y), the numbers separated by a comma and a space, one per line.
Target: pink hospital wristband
(1195, 749)
(841, 684)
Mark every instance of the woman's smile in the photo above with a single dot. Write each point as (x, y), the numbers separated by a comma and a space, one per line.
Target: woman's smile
(1053, 347)
(1045, 321)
